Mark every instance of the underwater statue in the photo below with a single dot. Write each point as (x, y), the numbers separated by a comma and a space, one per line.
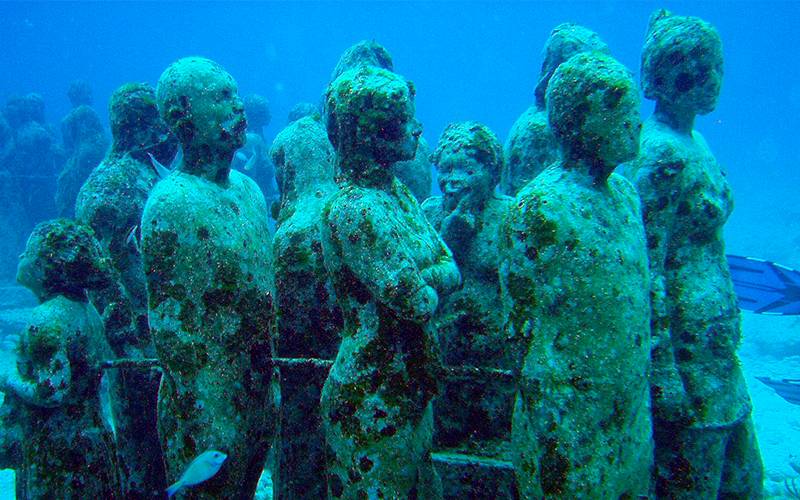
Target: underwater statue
(85, 145)
(302, 109)
(530, 146)
(207, 258)
(388, 267)
(575, 281)
(54, 386)
(705, 445)
(468, 215)
(253, 158)
(309, 319)
(33, 160)
(416, 173)
(111, 201)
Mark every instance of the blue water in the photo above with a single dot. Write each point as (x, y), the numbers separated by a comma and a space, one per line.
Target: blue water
(468, 60)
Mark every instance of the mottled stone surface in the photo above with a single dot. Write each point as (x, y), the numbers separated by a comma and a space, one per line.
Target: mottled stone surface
(388, 266)
(574, 280)
(705, 444)
(52, 392)
(415, 173)
(530, 146)
(207, 258)
(471, 414)
(111, 201)
(309, 319)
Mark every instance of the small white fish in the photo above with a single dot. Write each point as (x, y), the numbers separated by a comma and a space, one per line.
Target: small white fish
(241, 156)
(160, 169)
(204, 467)
(131, 239)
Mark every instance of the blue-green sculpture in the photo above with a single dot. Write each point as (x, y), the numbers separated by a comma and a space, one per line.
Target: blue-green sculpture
(207, 258)
(388, 267)
(111, 201)
(472, 415)
(705, 445)
(575, 287)
(53, 388)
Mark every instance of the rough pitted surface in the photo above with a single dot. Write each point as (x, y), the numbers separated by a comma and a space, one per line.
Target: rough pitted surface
(704, 437)
(530, 146)
(111, 202)
(388, 266)
(472, 412)
(207, 258)
(309, 319)
(574, 281)
(682, 62)
(52, 391)
(416, 173)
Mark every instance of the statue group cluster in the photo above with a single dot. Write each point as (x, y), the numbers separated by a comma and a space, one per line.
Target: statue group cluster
(577, 321)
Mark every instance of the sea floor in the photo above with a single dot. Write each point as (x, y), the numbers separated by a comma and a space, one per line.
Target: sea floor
(770, 347)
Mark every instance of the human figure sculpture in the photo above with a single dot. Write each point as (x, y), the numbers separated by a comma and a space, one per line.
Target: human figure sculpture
(33, 160)
(253, 158)
(574, 279)
(417, 172)
(705, 445)
(309, 319)
(530, 146)
(468, 215)
(85, 144)
(207, 258)
(388, 267)
(111, 201)
(54, 387)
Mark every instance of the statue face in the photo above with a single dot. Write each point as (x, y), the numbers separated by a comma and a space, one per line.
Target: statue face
(228, 111)
(462, 178)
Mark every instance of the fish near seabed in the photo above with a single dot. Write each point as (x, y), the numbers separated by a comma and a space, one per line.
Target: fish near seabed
(202, 468)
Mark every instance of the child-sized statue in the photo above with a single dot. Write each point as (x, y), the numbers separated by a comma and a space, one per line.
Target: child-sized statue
(704, 437)
(309, 319)
(576, 285)
(67, 452)
(388, 267)
(468, 215)
(111, 202)
(207, 258)
(530, 146)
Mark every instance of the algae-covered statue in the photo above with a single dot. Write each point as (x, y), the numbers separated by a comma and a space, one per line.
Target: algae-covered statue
(705, 445)
(111, 202)
(388, 267)
(54, 387)
(416, 173)
(467, 215)
(530, 146)
(207, 258)
(85, 144)
(575, 279)
(309, 319)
